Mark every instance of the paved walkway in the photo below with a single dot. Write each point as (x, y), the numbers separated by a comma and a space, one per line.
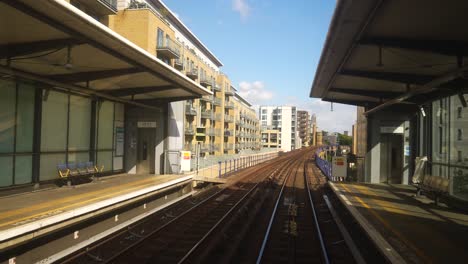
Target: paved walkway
(27, 212)
(418, 230)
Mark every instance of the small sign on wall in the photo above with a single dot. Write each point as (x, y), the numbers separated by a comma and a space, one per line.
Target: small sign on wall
(146, 124)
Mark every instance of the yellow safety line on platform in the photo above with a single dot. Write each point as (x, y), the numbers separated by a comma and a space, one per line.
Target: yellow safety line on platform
(387, 225)
(127, 188)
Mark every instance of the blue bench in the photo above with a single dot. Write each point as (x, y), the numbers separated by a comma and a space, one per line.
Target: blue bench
(68, 171)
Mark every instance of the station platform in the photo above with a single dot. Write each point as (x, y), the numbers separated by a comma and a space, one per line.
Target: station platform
(407, 228)
(27, 215)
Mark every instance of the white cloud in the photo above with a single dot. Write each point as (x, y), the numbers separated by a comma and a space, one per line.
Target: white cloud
(254, 92)
(242, 7)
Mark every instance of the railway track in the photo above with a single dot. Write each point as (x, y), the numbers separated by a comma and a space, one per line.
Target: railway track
(170, 237)
(276, 212)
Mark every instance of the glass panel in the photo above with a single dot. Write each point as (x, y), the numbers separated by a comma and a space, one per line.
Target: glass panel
(80, 122)
(23, 169)
(7, 115)
(104, 158)
(105, 131)
(78, 157)
(54, 122)
(6, 171)
(458, 130)
(460, 183)
(25, 118)
(49, 164)
(440, 131)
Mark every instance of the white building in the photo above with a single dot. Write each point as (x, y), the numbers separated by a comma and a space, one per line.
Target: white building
(283, 119)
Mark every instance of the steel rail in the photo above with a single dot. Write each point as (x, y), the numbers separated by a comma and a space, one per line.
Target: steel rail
(317, 226)
(274, 170)
(272, 218)
(123, 251)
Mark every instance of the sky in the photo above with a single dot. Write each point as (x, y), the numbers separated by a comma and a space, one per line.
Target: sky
(270, 50)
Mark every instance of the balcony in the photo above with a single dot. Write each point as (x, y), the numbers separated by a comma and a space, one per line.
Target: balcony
(205, 81)
(207, 114)
(229, 92)
(207, 98)
(179, 64)
(216, 87)
(217, 101)
(228, 104)
(168, 48)
(101, 7)
(192, 73)
(190, 110)
(189, 130)
(228, 118)
(201, 132)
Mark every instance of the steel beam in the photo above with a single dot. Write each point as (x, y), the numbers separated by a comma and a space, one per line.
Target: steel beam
(65, 86)
(390, 76)
(362, 92)
(426, 88)
(139, 90)
(92, 75)
(445, 47)
(350, 102)
(26, 48)
(164, 100)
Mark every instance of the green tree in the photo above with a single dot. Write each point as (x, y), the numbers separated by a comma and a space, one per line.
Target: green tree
(344, 140)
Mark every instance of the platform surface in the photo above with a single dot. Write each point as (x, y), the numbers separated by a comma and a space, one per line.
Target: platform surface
(27, 212)
(416, 228)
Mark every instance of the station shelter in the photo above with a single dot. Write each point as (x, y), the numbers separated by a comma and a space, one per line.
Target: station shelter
(404, 64)
(73, 91)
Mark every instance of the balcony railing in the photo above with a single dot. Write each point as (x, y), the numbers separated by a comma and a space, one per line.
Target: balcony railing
(229, 92)
(179, 64)
(217, 101)
(210, 131)
(228, 104)
(216, 87)
(228, 146)
(190, 110)
(207, 98)
(205, 81)
(168, 47)
(228, 118)
(207, 114)
(192, 73)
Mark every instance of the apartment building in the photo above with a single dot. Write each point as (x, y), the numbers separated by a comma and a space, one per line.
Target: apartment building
(206, 125)
(247, 127)
(303, 127)
(283, 119)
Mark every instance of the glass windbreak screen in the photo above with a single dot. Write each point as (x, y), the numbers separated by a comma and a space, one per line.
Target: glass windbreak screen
(440, 137)
(459, 147)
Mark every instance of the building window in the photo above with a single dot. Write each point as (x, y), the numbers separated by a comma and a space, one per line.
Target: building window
(264, 111)
(459, 156)
(459, 112)
(160, 39)
(459, 134)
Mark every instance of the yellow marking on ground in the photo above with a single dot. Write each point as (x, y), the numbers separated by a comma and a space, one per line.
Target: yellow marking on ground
(387, 225)
(96, 194)
(70, 205)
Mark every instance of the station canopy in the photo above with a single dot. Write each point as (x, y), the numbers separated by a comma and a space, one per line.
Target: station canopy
(382, 53)
(56, 44)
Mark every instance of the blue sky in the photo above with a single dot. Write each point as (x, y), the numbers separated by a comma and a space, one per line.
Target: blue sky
(270, 49)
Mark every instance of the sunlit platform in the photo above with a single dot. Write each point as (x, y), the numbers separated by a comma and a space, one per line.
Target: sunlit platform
(407, 228)
(28, 215)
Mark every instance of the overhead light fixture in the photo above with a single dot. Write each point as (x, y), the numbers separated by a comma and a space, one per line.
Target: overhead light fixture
(423, 113)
